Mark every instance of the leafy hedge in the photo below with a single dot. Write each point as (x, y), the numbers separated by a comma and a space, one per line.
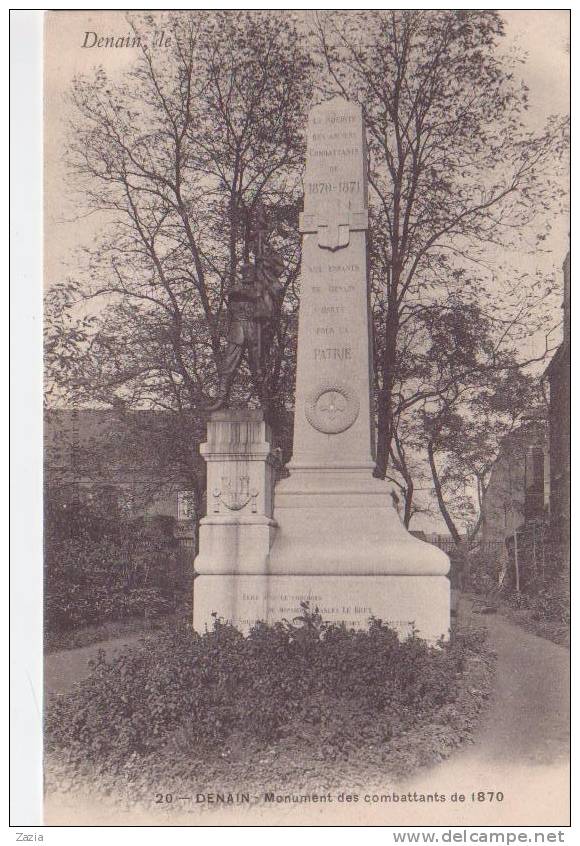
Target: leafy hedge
(283, 680)
(550, 603)
(101, 567)
(545, 601)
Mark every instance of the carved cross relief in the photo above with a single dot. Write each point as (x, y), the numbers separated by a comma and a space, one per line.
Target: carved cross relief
(333, 225)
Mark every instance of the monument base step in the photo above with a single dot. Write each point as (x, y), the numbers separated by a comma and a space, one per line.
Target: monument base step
(343, 521)
(404, 602)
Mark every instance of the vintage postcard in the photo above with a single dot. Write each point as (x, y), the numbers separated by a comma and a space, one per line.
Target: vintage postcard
(306, 418)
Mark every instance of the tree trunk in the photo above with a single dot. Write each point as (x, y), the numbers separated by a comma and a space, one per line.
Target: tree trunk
(400, 464)
(385, 410)
(457, 539)
(383, 435)
(439, 493)
(408, 503)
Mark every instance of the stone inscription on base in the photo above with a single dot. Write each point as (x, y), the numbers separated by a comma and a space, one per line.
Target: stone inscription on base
(288, 607)
(404, 603)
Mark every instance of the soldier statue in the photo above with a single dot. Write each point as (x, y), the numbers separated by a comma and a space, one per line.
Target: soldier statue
(253, 307)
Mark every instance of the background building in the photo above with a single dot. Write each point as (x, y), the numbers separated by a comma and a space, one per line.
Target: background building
(123, 459)
(527, 501)
(517, 491)
(557, 376)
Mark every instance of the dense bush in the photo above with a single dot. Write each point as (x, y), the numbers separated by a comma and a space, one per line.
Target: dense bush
(550, 602)
(482, 573)
(101, 566)
(547, 594)
(543, 603)
(281, 680)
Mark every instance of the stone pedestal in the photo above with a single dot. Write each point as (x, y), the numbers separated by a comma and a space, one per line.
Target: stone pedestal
(236, 535)
(342, 521)
(342, 540)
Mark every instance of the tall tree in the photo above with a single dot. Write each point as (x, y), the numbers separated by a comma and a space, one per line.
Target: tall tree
(173, 158)
(464, 427)
(453, 169)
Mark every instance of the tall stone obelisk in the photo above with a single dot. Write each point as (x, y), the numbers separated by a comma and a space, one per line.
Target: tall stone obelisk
(338, 541)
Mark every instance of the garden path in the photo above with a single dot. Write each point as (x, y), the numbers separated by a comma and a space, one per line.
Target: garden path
(62, 669)
(521, 747)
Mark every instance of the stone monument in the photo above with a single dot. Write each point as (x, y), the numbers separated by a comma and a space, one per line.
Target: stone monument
(330, 534)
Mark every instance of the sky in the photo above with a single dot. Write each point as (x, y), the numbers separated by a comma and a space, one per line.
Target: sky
(543, 35)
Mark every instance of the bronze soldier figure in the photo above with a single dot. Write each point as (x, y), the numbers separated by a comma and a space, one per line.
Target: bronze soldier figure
(253, 307)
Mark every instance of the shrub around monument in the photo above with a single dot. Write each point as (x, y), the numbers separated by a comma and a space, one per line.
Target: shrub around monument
(339, 689)
(101, 566)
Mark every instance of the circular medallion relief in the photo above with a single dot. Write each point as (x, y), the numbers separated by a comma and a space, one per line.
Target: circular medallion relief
(332, 407)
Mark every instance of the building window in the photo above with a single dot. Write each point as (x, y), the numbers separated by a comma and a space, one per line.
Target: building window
(185, 505)
(534, 475)
(126, 500)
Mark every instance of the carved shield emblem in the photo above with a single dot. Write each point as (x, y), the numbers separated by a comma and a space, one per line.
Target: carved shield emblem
(235, 494)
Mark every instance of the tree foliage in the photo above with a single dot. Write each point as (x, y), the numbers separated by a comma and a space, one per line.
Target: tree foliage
(453, 169)
(175, 155)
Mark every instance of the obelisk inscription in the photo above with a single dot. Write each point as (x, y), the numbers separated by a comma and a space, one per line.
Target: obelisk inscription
(332, 414)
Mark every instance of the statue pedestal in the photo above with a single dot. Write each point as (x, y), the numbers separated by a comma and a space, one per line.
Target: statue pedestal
(236, 535)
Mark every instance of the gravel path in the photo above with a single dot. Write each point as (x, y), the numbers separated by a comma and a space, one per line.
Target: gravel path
(521, 747)
(63, 669)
